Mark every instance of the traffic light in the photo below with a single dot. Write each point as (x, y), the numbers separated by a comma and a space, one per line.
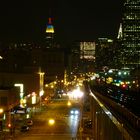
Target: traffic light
(124, 85)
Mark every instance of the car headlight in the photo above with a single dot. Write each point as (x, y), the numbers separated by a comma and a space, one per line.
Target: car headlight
(71, 112)
(74, 112)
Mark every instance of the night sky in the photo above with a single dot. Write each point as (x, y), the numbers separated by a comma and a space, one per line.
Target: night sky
(72, 19)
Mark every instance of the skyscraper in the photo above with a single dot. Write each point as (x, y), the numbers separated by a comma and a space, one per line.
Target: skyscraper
(87, 55)
(130, 53)
(104, 54)
(49, 34)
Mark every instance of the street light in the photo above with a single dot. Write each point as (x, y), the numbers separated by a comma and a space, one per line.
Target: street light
(33, 98)
(77, 93)
(1, 110)
(1, 115)
(41, 84)
(69, 103)
(51, 122)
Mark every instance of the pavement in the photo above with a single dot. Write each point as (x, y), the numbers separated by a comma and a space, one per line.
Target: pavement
(84, 134)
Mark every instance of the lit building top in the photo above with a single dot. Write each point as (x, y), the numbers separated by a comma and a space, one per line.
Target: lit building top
(50, 28)
(120, 35)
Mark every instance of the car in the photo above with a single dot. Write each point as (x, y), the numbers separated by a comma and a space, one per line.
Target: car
(24, 128)
(74, 112)
(29, 122)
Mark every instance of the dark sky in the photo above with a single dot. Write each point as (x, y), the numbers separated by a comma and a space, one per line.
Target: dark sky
(72, 19)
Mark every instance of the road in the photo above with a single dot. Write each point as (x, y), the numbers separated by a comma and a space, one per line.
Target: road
(65, 125)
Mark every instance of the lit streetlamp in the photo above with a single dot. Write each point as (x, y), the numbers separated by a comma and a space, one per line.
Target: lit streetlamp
(41, 84)
(1, 110)
(1, 115)
(51, 122)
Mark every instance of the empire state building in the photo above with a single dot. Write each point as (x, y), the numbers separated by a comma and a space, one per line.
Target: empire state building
(49, 34)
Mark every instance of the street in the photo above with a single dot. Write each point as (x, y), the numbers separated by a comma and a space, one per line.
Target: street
(64, 125)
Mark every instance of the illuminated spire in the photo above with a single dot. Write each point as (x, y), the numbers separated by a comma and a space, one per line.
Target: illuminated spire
(49, 34)
(50, 21)
(50, 28)
(120, 32)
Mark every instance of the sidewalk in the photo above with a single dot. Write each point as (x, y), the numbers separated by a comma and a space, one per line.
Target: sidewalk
(6, 134)
(84, 137)
(84, 134)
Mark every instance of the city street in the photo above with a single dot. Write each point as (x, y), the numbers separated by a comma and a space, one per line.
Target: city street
(70, 70)
(53, 122)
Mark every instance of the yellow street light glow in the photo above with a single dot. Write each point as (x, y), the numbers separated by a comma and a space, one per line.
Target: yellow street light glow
(41, 93)
(27, 116)
(1, 110)
(41, 82)
(51, 121)
(34, 99)
(77, 93)
(4, 117)
(69, 103)
(24, 101)
(134, 82)
(46, 85)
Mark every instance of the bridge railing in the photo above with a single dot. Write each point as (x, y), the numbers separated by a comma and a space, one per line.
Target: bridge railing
(131, 121)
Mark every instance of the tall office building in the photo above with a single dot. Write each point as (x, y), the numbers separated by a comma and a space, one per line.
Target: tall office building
(130, 53)
(49, 34)
(87, 55)
(104, 54)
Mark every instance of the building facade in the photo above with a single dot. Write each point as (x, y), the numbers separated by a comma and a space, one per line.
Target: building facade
(104, 53)
(87, 56)
(130, 53)
(28, 58)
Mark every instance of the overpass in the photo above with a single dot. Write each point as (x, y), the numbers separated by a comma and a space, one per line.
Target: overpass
(110, 120)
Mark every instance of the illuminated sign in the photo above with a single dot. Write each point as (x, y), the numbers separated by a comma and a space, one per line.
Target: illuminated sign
(20, 111)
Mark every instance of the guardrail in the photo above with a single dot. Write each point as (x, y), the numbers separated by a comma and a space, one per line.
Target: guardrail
(131, 121)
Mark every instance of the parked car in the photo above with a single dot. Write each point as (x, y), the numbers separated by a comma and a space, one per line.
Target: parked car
(24, 128)
(29, 122)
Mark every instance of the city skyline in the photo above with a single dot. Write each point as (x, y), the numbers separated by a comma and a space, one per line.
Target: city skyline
(72, 20)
